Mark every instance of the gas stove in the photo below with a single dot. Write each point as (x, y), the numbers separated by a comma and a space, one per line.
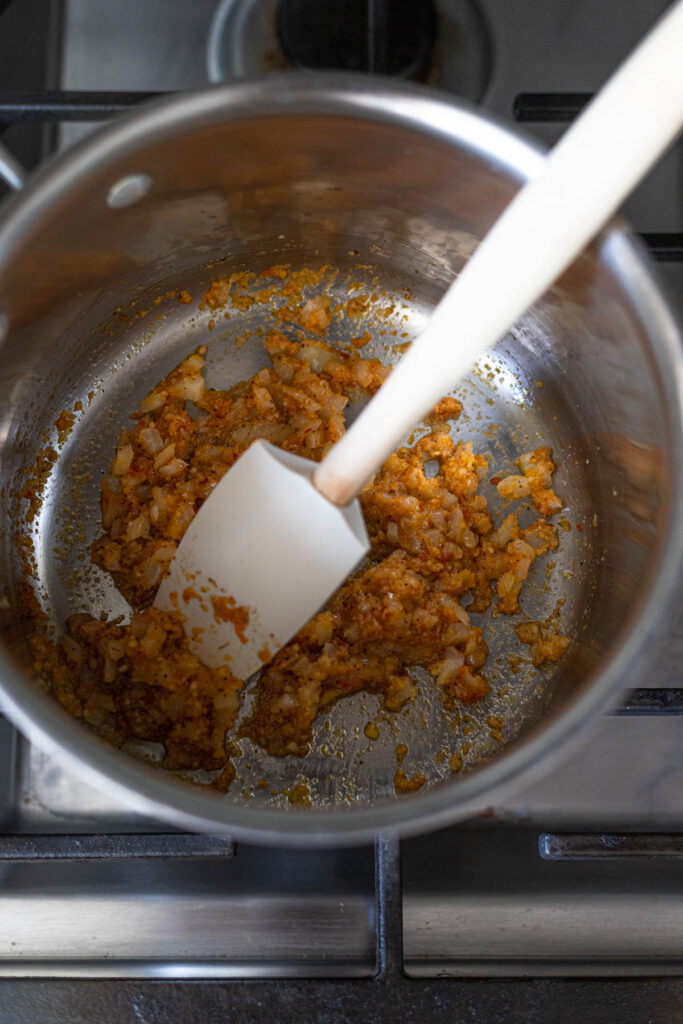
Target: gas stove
(565, 900)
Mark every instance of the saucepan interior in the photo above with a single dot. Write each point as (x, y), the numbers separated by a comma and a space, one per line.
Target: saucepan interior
(392, 189)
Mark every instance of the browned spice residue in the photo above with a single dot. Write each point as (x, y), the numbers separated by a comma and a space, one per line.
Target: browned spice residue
(141, 681)
(361, 340)
(300, 795)
(356, 306)
(226, 609)
(225, 779)
(279, 270)
(546, 643)
(264, 654)
(64, 423)
(408, 784)
(37, 480)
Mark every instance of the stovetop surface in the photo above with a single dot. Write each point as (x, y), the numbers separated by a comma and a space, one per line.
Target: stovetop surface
(478, 901)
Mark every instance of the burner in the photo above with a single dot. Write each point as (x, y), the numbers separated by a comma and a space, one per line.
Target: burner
(387, 37)
(444, 43)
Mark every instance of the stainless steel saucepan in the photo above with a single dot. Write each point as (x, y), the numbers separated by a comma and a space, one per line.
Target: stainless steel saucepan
(392, 185)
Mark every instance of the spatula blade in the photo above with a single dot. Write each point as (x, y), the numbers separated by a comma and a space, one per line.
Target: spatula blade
(262, 555)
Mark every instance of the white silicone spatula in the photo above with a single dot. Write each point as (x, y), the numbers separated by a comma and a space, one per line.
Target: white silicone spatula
(279, 533)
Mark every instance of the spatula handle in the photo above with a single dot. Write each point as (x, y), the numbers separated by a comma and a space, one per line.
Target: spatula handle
(598, 161)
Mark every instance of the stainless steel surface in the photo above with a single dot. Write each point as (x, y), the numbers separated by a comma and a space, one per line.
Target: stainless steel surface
(475, 902)
(625, 774)
(574, 48)
(484, 904)
(258, 914)
(128, 44)
(576, 792)
(331, 191)
(11, 171)
(50, 799)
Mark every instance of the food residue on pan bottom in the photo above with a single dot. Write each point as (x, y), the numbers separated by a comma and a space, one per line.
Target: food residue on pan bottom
(434, 544)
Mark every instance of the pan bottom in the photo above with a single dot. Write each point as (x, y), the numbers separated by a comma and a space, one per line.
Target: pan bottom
(509, 403)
